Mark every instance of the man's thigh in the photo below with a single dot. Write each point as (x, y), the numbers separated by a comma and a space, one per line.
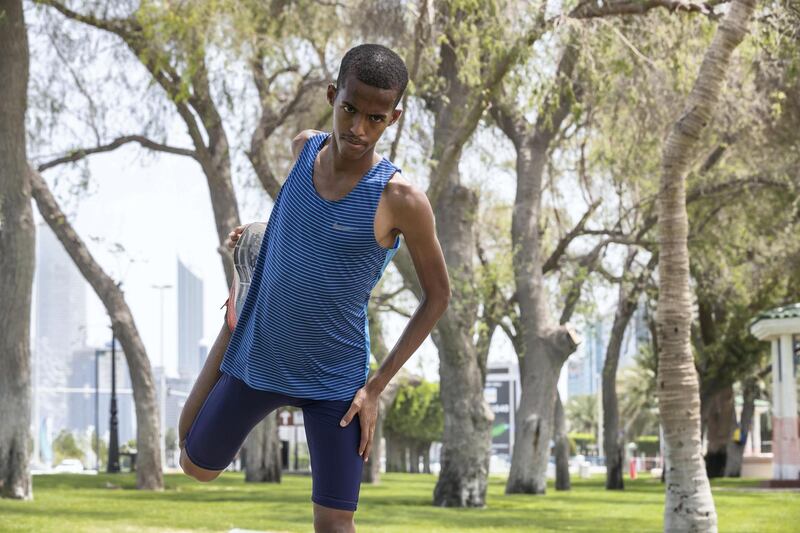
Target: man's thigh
(229, 413)
(335, 464)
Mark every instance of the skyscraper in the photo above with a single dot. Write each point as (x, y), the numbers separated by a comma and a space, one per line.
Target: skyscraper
(190, 321)
(59, 318)
(585, 369)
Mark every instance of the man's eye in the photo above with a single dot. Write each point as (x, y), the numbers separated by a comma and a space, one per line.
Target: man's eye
(347, 108)
(377, 118)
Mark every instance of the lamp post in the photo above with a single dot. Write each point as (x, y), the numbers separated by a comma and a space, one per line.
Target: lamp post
(113, 437)
(112, 464)
(162, 382)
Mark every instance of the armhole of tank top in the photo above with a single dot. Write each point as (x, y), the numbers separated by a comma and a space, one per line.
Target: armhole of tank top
(316, 138)
(395, 170)
(302, 153)
(398, 239)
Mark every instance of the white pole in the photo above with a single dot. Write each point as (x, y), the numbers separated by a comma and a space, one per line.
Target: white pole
(36, 414)
(162, 385)
(162, 388)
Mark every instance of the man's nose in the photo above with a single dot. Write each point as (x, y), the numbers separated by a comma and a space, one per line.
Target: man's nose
(357, 129)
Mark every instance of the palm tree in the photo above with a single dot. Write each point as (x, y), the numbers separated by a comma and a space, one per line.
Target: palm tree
(688, 505)
(638, 400)
(582, 413)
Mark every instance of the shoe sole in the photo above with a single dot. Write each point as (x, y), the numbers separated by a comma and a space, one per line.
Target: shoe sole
(245, 256)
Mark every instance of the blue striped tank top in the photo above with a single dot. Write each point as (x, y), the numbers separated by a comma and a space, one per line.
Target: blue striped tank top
(303, 330)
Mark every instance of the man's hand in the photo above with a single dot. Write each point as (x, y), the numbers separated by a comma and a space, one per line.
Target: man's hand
(233, 236)
(365, 403)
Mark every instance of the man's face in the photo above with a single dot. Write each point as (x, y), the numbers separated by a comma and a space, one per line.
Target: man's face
(361, 113)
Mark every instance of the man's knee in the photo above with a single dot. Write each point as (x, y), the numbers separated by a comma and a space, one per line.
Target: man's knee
(328, 520)
(194, 471)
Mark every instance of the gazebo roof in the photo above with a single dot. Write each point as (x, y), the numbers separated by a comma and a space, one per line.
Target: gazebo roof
(786, 311)
(778, 321)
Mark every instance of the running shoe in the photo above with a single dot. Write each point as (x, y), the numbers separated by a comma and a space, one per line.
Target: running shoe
(245, 256)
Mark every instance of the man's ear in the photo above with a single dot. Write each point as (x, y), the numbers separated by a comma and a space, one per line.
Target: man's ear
(331, 94)
(395, 115)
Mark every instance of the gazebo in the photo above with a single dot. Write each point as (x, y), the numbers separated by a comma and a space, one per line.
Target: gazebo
(781, 327)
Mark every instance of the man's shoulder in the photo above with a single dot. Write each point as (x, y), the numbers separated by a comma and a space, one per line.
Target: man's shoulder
(404, 198)
(300, 140)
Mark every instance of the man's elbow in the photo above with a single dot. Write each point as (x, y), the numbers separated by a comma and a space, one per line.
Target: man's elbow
(439, 299)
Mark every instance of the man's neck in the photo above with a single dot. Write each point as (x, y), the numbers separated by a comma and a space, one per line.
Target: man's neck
(340, 167)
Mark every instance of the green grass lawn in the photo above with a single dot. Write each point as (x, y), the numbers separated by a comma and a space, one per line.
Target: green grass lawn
(401, 503)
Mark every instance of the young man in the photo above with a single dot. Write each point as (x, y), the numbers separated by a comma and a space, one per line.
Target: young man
(302, 335)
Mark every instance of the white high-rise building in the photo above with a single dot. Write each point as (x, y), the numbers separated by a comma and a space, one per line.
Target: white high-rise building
(59, 330)
(190, 322)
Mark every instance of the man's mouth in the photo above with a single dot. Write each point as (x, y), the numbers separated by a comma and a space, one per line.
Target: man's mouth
(352, 141)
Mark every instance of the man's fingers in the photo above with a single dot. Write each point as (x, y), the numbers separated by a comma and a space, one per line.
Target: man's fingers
(349, 414)
(365, 438)
(369, 447)
(233, 236)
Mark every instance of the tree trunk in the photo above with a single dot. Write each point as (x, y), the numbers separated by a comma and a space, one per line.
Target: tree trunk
(733, 464)
(402, 456)
(545, 345)
(17, 245)
(458, 107)
(466, 440)
(372, 473)
(148, 459)
(422, 452)
(613, 436)
(612, 440)
(395, 453)
(534, 427)
(720, 417)
(262, 459)
(561, 446)
(413, 456)
(372, 469)
(688, 505)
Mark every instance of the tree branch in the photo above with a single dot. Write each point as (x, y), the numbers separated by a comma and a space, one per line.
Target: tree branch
(562, 245)
(120, 26)
(386, 306)
(593, 9)
(80, 153)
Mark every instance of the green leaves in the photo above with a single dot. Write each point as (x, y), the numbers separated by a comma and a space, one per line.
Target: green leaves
(417, 412)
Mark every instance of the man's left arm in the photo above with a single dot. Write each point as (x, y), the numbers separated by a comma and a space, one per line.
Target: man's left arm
(413, 216)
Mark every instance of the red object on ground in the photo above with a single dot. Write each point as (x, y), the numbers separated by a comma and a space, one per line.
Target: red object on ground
(633, 468)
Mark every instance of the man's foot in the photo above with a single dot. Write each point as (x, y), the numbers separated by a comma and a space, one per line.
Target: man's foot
(245, 256)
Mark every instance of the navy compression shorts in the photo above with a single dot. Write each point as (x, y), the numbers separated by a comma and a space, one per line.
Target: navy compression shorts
(233, 408)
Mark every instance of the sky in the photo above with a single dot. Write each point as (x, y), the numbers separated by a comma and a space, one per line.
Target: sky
(160, 211)
(157, 206)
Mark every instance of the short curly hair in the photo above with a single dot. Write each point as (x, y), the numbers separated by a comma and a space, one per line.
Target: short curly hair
(375, 65)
